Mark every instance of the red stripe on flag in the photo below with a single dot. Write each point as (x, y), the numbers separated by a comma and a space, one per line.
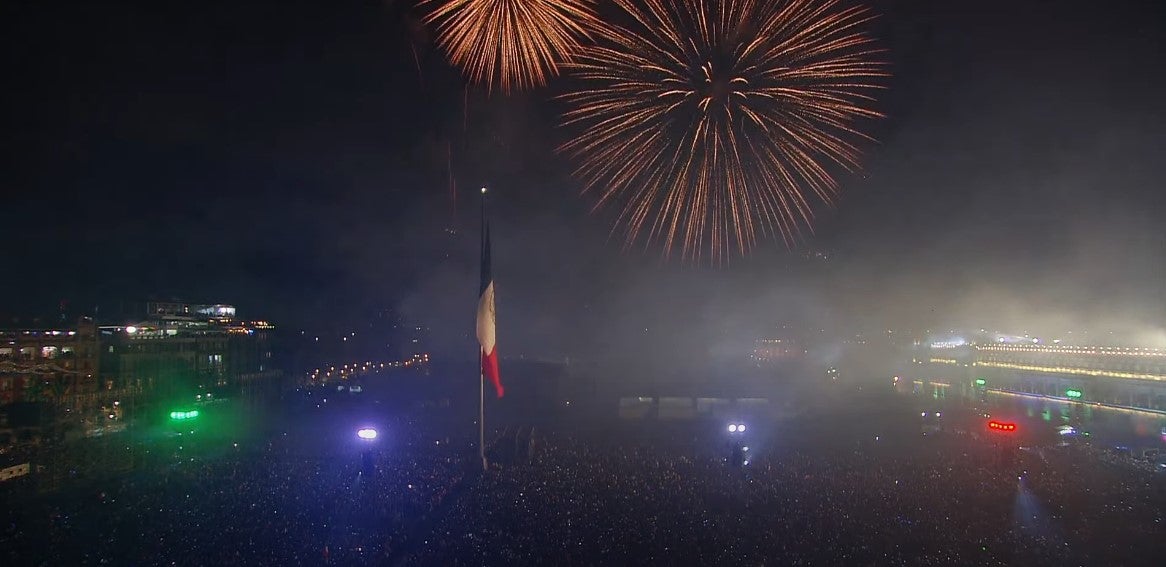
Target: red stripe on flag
(490, 370)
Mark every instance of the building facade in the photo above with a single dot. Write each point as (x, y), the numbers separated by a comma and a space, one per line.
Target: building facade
(56, 364)
(87, 378)
(182, 353)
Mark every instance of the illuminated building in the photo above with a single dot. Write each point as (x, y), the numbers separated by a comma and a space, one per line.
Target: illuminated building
(181, 352)
(55, 367)
(173, 310)
(1107, 362)
(84, 377)
(1120, 377)
(65, 359)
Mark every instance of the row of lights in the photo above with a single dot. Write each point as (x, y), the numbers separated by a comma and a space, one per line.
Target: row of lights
(1132, 351)
(1108, 407)
(358, 367)
(949, 344)
(1072, 393)
(244, 329)
(1066, 370)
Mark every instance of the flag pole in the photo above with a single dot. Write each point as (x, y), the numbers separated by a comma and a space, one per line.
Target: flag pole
(482, 411)
(482, 368)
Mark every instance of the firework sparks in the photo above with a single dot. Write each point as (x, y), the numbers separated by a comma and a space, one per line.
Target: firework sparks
(711, 122)
(516, 43)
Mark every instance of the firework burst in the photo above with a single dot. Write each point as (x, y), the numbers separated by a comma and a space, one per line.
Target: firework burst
(710, 122)
(516, 43)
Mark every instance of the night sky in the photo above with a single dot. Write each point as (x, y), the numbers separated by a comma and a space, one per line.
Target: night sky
(296, 158)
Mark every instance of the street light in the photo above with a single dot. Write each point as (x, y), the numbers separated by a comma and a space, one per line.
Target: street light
(366, 433)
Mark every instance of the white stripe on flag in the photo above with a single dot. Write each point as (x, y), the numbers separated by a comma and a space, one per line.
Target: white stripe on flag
(486, 319)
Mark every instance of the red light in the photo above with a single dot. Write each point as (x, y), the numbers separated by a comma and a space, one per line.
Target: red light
(1001, 426)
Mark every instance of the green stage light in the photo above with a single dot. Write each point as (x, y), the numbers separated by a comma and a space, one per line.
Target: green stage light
(1073, 393)
(981, 382)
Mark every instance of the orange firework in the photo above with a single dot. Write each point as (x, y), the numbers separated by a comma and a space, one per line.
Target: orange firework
(518, 43)
(709, 122)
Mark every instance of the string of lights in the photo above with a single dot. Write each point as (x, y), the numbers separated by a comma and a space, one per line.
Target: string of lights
(1039, 349)
(1070, 370)
(367, 366)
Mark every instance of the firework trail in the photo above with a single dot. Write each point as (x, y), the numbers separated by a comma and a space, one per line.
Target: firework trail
(516, 43)
(707, 123)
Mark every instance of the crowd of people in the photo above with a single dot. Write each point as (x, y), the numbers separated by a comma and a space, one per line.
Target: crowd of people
(572, 498)
(1114, 512)
(288, 501)
(596, 503)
